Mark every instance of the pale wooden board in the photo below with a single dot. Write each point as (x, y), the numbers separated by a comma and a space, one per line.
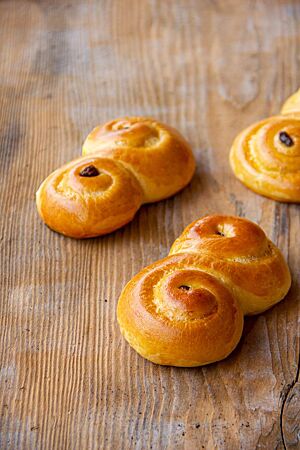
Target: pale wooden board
(209, 68)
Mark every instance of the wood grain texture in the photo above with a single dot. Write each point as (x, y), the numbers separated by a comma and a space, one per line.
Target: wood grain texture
(67, 378)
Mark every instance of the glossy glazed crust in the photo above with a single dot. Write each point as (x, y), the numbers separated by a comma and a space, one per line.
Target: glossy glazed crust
(238, 251)
(159, 157)
(82, 207)
(292, 104)
(171, 326)
(140, 160)
(187, 309)
(265, 164)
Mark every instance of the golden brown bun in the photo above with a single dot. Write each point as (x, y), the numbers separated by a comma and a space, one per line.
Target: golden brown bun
(140, 160)
(83, 206)
(264, 163)
(168, 324)
(292, 104)
(158, 156)
(187, 309)
(238, 251)
(266, 156)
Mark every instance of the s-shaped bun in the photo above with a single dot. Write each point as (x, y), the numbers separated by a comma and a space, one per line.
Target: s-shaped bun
(187, 309)
(127, 162)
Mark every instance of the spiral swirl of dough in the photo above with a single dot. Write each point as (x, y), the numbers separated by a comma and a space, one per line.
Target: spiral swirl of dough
(174, 313)
(158, 156)
(187, 309)
(266, 156)
(239, 252)
(89, 197)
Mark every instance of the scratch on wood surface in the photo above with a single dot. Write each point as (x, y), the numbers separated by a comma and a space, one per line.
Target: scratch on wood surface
(290, 414)
(234, 49)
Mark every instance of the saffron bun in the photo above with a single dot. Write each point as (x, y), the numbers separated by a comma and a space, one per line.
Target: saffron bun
(266, 156)
(237, 251)
(156, 154)
(187, 309)
(292, 104)
(174, 313)
(127, 162)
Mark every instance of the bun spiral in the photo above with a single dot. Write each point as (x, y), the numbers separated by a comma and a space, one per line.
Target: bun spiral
(127, 162)
(187, 309)
(89, 197)
(156, 154)
(266, 156)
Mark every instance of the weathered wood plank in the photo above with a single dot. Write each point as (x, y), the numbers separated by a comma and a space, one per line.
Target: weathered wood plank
(209, 68)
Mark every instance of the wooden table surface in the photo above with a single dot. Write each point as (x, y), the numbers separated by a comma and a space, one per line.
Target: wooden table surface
(68, 379)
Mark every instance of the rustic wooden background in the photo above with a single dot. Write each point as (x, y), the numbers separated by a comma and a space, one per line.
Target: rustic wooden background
(68, 380)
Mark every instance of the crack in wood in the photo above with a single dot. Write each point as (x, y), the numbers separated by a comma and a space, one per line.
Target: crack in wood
(285, 400)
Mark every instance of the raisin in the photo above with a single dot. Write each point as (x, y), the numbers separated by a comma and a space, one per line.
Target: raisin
(286, 139)
(89, 171)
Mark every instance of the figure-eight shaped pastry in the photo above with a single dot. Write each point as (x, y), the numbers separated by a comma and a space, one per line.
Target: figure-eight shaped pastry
(127, 162)
(266, 156)
(188, 308)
